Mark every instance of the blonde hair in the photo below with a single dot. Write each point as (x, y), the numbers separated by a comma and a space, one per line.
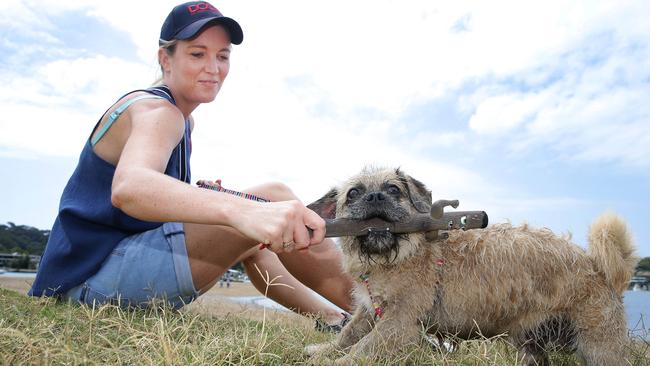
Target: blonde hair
(170, 48)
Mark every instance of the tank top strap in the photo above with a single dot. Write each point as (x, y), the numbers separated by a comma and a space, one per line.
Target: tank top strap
(162, 91)
(117, 113)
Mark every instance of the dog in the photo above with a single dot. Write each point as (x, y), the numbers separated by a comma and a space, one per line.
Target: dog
(540, 290)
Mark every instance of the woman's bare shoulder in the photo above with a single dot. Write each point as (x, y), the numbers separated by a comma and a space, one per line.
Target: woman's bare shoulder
(155, 110)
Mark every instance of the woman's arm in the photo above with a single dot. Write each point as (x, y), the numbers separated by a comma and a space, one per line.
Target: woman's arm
(142, 190)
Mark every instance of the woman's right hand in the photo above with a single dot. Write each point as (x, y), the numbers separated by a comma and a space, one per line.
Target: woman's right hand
(281, 226)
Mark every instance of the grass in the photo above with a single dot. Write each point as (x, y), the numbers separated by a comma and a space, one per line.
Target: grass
(45, 332)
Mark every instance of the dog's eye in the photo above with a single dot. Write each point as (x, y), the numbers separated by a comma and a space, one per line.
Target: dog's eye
(394, 190)
(353, 193)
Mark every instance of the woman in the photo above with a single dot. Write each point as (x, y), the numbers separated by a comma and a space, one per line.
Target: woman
(131, 229)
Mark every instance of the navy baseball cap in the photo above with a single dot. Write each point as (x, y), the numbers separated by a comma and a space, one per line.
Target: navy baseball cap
(189, 19)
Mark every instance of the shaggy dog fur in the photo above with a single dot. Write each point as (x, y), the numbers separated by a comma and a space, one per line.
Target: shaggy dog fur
(541, 290)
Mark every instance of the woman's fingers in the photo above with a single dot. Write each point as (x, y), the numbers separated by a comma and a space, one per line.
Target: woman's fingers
(301, 236)
(288, 240)
(317, 224)
(287, 227)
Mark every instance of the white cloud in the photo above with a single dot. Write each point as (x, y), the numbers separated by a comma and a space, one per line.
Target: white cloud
(502, 113)
(586, 103)
(51, 111)
(279, 139)
(427, 140)
(611, 126)
(95, 81)
(381, 56)
(47, 131)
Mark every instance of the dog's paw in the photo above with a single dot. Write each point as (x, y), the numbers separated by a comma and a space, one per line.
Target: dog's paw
(320, 353)
(319, 349)
(319, 361)
(346, 360)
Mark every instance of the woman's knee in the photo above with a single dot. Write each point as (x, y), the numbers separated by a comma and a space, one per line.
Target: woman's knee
(274, 191)
(250, 256)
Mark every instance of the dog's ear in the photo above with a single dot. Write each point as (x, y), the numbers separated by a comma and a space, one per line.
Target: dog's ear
(418, 193)
(326, 205)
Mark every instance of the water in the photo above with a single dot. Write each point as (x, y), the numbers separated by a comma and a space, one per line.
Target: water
(637, 305)
(18, 274)
(637, 309)
(258, 300)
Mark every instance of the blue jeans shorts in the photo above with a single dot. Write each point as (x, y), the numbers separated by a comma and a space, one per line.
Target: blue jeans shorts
(143, 269)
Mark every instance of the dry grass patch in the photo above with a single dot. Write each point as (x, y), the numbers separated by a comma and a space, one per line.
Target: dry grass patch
(43, 331)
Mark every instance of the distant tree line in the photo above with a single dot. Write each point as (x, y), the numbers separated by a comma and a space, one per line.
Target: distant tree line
(644, 264)
(22, 239)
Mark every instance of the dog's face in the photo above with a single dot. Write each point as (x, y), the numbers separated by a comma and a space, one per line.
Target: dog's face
(388, 194)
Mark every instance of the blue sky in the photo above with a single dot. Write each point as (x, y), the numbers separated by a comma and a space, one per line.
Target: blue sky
(532, 112)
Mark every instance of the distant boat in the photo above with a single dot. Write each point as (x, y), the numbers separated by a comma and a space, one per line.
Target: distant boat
(638, 283)
(2, 271)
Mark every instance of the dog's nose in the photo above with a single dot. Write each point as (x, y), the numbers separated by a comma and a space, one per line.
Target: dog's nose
(375, 197)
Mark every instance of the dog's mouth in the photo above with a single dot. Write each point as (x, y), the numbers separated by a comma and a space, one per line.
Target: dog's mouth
(378, 245)
(395, 214)
(381, 215)
(380, 241)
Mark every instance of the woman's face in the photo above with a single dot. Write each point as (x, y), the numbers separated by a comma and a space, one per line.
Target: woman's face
(198, 68)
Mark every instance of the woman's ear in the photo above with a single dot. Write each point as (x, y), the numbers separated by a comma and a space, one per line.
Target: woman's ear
(163, 60)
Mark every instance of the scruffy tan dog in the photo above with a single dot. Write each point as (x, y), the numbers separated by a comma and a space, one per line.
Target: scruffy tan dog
(541, 290)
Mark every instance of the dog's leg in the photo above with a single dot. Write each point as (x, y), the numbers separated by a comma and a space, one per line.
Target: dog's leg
(598, 352)
(602, 335)
(389, 335)
(360, 324)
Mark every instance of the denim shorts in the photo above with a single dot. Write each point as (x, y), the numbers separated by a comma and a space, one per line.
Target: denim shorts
(142, 270)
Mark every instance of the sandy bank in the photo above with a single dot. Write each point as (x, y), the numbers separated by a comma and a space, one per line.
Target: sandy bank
(216, 302)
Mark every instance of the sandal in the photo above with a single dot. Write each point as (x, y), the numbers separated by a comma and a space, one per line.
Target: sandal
(321, 326)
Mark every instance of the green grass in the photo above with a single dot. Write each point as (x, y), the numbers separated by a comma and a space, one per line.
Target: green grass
(43, 331)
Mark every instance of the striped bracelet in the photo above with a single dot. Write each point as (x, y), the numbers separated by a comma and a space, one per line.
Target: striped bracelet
(217, 187)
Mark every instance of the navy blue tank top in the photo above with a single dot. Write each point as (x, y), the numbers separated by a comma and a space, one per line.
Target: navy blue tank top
(88, 227)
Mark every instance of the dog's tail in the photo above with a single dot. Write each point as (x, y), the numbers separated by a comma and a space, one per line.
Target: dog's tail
(612, 250)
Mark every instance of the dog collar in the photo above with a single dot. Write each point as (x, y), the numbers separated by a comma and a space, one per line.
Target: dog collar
(379, 310)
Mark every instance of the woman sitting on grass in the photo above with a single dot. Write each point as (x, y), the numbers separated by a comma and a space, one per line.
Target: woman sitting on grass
(131, 228)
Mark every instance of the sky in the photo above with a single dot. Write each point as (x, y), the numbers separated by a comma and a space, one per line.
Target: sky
(534, 112)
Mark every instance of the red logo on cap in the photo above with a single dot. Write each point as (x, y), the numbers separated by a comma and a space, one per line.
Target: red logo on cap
(201, 7)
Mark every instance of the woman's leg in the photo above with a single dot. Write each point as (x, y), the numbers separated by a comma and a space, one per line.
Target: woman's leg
(285, 289)
(212, 249)
(319, 268)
